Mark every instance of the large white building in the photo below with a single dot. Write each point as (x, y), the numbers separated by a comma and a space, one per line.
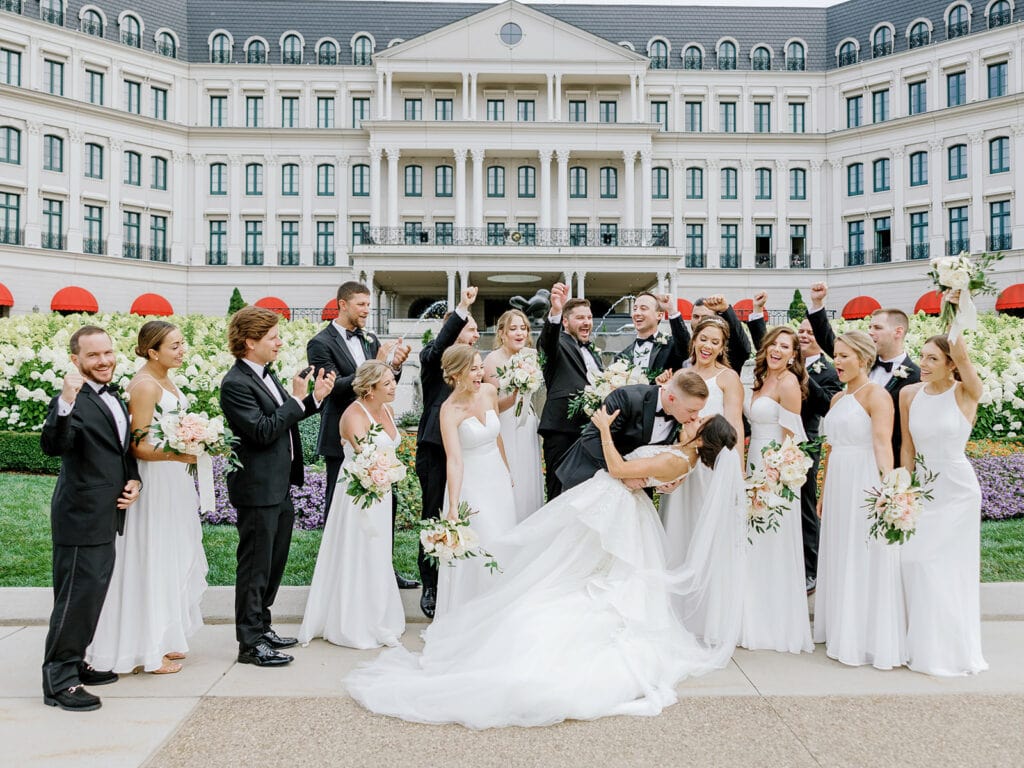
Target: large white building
(186, 147)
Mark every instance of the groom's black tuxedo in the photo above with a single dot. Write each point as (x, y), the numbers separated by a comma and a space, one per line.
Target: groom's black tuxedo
(271, 454)
(96, 463)
(637, 405)
(668, 353)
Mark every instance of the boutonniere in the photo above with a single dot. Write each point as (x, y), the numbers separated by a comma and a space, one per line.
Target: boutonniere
(901, 372)
(817, 367)
(370, 338)
(660, 338)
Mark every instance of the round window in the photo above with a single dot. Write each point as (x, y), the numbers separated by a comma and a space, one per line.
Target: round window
(511, 33)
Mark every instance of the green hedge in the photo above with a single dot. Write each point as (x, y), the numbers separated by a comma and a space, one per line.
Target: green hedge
(20, 452)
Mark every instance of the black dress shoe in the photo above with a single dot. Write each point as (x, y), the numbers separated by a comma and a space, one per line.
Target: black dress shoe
(74, 699)
(276, 641)
(404, 583)
(262, 655)
(429, 601)
(90, 676)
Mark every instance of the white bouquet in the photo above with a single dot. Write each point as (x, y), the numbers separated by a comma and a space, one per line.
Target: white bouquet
(445, 541)
(765, 506)
(895, 507)
(786, 466)
(521, 375)
(372, 470)
(603, 383)
(961, 273)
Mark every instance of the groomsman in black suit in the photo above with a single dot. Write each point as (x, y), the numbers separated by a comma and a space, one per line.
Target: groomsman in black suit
(655, 352)
(739, 344)
(87, 425)
(893, 368)
(822, 385)
(431, 461)
(567, 355)
(265, 419)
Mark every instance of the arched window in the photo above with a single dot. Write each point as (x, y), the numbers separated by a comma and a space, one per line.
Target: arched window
(1000, 14)
(958, 23)
(291, 50)
(658, 54)
(92, 23)
(414, 181)
(133, 168)
(881, 44)
(496, 181)
(527, 181)
(325, 180)
(131, 31)
(763, 179)
(729, 185)
(659, 183)
(328, 53)
(694, 183)
(796, 59)
(52, 11)
(218, 178)
(999, 155)
(855, 179)
(256, 53)
(797, 184)
(919, 35)
(254, 179)
(956, 159)
(727, 55)
(609, 179)
(290, 179)
(159, 180)
(577, 181)
(918, 169)
(360, 180)
(166, 45)
(762, 59)
(881, 175)
(693, 58)
(53, 153)
(847, 54)
(362, 51)
(10, 145)
(220, 49)
(443, 175)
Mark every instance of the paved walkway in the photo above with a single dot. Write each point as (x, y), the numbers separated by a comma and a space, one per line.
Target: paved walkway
(764, 709)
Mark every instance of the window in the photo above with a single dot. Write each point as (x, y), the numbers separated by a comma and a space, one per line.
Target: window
(325, 180)
(93, 241)
(496, 109)
(324, 244)
(526, 111)
(444, 233)
(762, 117)
(253, 253)
(727, 55)
(93, 161)
(256, 53)
(659, 183)
(727, 116)
(577, 234)
(218, 111)
(919, 236)
(577, 111)
(53, 77)
(847, 54)
(443, 109)
(527, 181)
(609, 234)
(694, 116)
(956, 89)
(95, 87)
(166, 46)
(609, 182)
(882, 252)
(918, 169)
(797, 184)
(660, 235)
(959, 239)
(220, 49)
(53, 153)
(289, 253)
(10, 218)
(919, 35)
(289, 111)
(254, 112)
(693, 58)
(917, 98)
(291, 50)
(362, 51)
(52, 11)
(511, 33)
(659, 55)
(290, 179)
(694, 183)
(414, 181)
(91, 24)
(659, 114)
(496, 233)
(880, 172)
(880, 106)
(130, 246)
(763, 178)
(360, 111)
(10, 67)
(882, 43)
(999, 155)
(695, 246)
(53, 224)
(855, 179)
(730, 256)
(133, 168)
(414, 109)
(328, 53)
(254, 179)
(131, 32)
(414, 233)
(608, 111)
(158, 238)
(798, 246)
(1000, 238)
(761, 60)
(854, 111)
(797, 120)
(361, 233)
(999, 14)
(360, 181)
(795, 57)
(577, 182)
(997, 80)
(854, 243)
(325, 112)
(958, 23)
(218, 179)
(957, 161)
(495, 181)
(160, 103)
(133, 97)
(729, 183)
(527, 233)
(763, 256)
(443, 184)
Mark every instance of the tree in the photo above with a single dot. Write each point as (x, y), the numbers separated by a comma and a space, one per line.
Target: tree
(236, 303)
(797, 307)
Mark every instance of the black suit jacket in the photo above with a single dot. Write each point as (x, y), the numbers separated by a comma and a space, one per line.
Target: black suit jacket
(636, 404)
(328, 350)
(268, 437)
(96, 462)
(435, 391)
(667, 355)
(565, 376)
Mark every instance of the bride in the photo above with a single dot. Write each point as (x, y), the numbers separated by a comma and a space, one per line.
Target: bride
(585, 622)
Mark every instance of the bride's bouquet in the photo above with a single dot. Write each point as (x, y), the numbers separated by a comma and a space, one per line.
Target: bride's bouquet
(371, 472)
(966, 275)
(786, 466)
(190, 434)
(445, 541)
(602, 384)
(765, 506)
(895, 507)
(521, 375)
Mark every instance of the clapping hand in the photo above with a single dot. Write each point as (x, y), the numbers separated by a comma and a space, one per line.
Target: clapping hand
(818, 293)
(323, 385)
(71, 386)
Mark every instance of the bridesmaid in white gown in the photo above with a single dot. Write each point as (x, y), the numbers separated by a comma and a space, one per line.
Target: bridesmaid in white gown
(152, 605)
(775, 613)
(858, 610)
(940, 562)
(709, 347)
(477, 471)
(518, 434)
(353, 599)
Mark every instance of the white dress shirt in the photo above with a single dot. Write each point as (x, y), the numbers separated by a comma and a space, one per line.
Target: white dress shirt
(882, 377)
(113, 405)
(585, 353)
(353, 344)
(663, 425)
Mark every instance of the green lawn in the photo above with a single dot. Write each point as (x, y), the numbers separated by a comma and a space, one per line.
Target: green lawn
(25, 542)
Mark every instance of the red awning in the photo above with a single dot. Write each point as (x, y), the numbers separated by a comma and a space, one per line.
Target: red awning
(152, 304)
(6, 299)
(1011, 298)
(685, 308)
(930, 303)
(743, 308)
(860, 307)
(73, 299)
(275, 304)
(330, 310)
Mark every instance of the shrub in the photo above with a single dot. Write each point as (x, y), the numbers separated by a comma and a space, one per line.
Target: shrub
(236, 303)
(797, 307)
(20, 452)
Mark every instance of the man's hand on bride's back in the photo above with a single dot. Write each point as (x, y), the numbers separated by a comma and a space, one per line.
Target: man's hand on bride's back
(602, 419)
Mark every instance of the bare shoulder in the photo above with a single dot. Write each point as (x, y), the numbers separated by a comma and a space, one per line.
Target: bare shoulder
(789, 383)
(144, 388)
(878, 397)
(836, 397)
(908, 392)
(488, 390)
(494, 360)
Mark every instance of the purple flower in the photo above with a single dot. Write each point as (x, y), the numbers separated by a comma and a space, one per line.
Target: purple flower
(1002, 485)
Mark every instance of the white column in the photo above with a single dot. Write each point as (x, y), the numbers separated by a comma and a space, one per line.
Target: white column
(673, 108)
(234, 204)
(545, 190)
(645, 189)
(781, 193)
(342, 229)
(836, 189)
(450, 274)
(935, 184)
(271, 227)
(549, 92)
(629, 179)
(899, 216)
(308, 119)
(581, 280)
(562, 221)
(632, 97)
(818, 224)
(977, 90)
(393, 154)
(472, 96)
(368, 282)
(478, 188)
(33, 147)
(712, 189)
(746, 229)
(977, 212)
(460, 189)
(306, 223)
(341, 118)
(677, 229)
(199, 181)
(114, 223)
(558, 96)
(465, 99)
(114, 95)
(388, 105)
(179, 195)
(641, 95)
(375, 187)
(1017, 215)
(381, 97)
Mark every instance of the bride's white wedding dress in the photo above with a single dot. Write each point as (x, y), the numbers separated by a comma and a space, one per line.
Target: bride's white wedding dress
(584, 622)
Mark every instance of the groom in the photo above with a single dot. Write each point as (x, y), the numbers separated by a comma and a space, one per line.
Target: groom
(648, 415)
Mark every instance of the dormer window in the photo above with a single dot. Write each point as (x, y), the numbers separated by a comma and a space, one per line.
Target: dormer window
(220, 49)
(727, 55)
(131, 31)
(795, 59)
(761, 60)
(362, 51)
(291, 50)
(659, 54)
(847, 54)
(693, 58)
(256, 53)
(328, 53)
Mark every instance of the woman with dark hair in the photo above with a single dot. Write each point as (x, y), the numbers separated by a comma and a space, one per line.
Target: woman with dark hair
(586, 621)
(152, 605)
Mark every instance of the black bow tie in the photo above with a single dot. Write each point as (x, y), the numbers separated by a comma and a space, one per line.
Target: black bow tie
(357, 332)
(586, 345)
(111, 388)
(660, 414)
(880, 363)
(648, 340)
(267, 370)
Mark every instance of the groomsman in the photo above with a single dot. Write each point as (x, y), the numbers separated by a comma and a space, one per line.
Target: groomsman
(265, 419)
(655, 352)
(893, 368)
(822, 385)
(431, 461)
(739, 344)
(87, 425)
(568, 355)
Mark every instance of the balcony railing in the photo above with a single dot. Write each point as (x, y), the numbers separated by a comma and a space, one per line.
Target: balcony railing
(95, 245)
(470, 236)
(1003, 242)
(879, 256)
(919, 40)
(131, 39)
(329, 58)
(11, 236)
(291, 57)
(1000, 19)
(53, 240)
(920, 251)
(854, 258)
(167, 49)
(799, 261)
(11, 6)
(659, 62)
(288, 258)
(252, 258)
(761, 65)
(131, 250)
(220, 57)
(881, 49)
(958, 30)
(361, 59)
(696, 260)
(727, 62)
(847, 58)
(216, 258)
(953, 247)
(693, 62)
(93, 28)
(796, 64)
(729, 261)
(51, 16)
(256, 57)
(764, 260)
(324, 258)
(158, 253)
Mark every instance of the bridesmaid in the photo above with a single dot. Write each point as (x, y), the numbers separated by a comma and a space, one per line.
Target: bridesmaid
(353, 599)
(152, 605)
(519, 434)
(940, 562)
(858, 611)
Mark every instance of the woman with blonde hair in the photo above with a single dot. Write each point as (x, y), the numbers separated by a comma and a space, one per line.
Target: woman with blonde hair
(858, 611)
(518, 432)
(353, 598)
